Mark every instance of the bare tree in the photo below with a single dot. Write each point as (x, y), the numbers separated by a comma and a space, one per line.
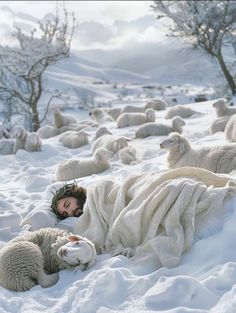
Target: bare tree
(22, 67)
(210, 25)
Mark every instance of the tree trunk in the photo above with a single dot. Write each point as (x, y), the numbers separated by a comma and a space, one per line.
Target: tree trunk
(227, 74)
(35, 118)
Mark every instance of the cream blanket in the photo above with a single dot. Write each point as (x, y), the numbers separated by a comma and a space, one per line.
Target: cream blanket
(159, 213)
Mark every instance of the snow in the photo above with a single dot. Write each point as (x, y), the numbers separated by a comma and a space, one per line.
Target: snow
(203, 282)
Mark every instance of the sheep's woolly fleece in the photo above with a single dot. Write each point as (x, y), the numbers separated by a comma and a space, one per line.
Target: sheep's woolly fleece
(202, 282)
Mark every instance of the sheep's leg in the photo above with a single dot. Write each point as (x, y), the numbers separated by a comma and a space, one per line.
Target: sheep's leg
(47, 280)
(27, 284)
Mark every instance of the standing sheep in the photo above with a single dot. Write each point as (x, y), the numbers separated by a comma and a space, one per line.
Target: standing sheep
(222, 109)
(110, 142)
(230, 129)
(218, 159)
(36, 257)
(61, 119)
(180, 110)
(156, 129)
(76, 168)
(131, 119)
(72, 139)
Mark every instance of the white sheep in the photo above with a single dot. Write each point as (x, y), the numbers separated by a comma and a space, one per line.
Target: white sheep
(156, 104)
(6, 146)
(48, 131)
(127, 155)
(100, 116)
(75, 168)
(133, 109)
(222, 109)
(218, 159)
(131, 119)
(114, 113)
(157, 129)
(219, 124)
(36, 258)
(110, 142)
(73, 139)
(61, 119)
(20, 134)
(230, 129)
(101, 131)
(33, 142)
(180, 110)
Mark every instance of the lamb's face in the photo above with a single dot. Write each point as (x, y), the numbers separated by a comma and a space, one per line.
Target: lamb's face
(169, 143)
(78, 251)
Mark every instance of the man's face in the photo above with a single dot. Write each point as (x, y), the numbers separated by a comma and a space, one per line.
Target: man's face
(68, 206)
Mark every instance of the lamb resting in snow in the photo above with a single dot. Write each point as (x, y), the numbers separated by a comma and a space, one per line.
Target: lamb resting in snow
(73, 139)
(157, 129)
(219, 124)
(230, 129)
(218, 159)
(222, 109)
(61, 119)
(127, 155)
(101, 131)
(110, 142)
(36, 257)
(76, 168)
(180, 110)
(100, 116)
(131, 119)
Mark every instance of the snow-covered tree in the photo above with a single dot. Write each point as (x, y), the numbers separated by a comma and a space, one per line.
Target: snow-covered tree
(210, 25)
(22, 67)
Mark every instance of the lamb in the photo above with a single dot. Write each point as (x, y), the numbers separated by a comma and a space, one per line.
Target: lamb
(76, 168)
(218, 159)
(33, 142)
(36, 258)
(72, 139)
(110, 142)
(156, 129)
(219, 124)
(230, 129)
(131, 119)
(100, 116)
(20, 134)
(127, 155)
(48, 131)
(61, 120)
(156, 104)
(101, 131)
(222, 109)
(114, 113)
(180, 110)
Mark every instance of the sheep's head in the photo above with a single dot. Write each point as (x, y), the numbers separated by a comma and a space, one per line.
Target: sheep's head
(95, 113)
(220, 105)
(19, 133)
(121, 142)
(102, 131)
(150, 115)
(175, 142)
(79, 252)
(102, 155)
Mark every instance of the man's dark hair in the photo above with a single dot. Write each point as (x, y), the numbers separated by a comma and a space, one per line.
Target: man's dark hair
(68, 190)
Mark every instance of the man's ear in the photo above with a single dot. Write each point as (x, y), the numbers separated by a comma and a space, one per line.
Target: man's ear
(74, 238)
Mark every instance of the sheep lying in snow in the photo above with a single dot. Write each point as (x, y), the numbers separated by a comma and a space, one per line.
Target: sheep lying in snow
(131, 119)
(230, 129)
(61, 119)
(156, 129)
(33, 142)
(36, 257)
(218, 159)
(127, 155)
(76, 168)
(134, 109)
(219, 124)
(27, 141)
(156, 104)
(48, 131)
(101, 131)
(100, 116)
(222, 109)
(180, 110)
(110, 142)
(114, 113)
(72, 139)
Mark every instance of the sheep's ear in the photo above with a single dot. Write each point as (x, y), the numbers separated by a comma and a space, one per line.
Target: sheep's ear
(74, 238)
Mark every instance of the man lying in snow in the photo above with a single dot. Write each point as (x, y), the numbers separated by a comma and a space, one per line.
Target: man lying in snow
(158, 214)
